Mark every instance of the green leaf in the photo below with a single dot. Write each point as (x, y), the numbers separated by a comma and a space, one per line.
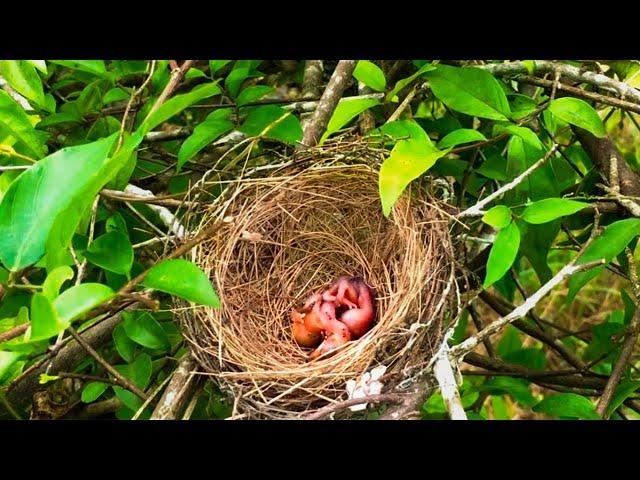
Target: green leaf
(39, 64)
(144, 329)
(404, 130)
(139, 372)
(516, 387)
(55, 279)
(371, 75)
(498, 216)
(96, 67)
(347, 109)
(45, 378)
(526, 134)
(111, 251)
(533, 358)
(22, 76)
(567, 405)
(510, 342)
(541, 183)
(7, 359)
(67, 179)
(400, 84)
(242, 70)
(92, 391)
(469, 90)
(125, 347)
(14, 121)
(59, 118)
(116, 94)
(79, 299)
(215, 125)
(503, 254)
(175, 105)
(251, 94)
(579, 113)
(544, 211)
(408, 160)
(44, 319)
(215, 65)
(130, 399)
(184, 279)
(625, 389)
(608, 245)
(535, 245)
(272, 121)
(463, 135)
(521, 106)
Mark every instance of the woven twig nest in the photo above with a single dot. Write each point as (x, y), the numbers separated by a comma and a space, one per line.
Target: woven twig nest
(287, 236)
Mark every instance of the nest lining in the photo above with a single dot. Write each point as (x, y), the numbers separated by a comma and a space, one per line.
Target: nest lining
(284, 238)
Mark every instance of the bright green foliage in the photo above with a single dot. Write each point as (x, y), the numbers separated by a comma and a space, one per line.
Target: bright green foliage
(183, 279)
(503, 253)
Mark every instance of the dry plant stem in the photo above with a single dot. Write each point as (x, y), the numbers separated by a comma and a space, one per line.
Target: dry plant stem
(627, 348)
(629, 205)
(134, 96)
(88, 378)
(14, 332)
(176, 77)
(443, 371)
(403, 106)
(476, 210)
(328, 102)
(580, 93)
(128, 197)
(312, 80)
(574, 73)
(177, 392)
(165, 215)
(336, 407)
(488, 346)
(367, 121)
(539, 377)
(601, 150)
(121, 380)
(22, 389)
(460, 350)
(409, 409)
(103, 407)
(502, 307)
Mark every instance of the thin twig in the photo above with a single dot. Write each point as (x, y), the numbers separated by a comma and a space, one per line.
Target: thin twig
(463, 348)
(476, 210)
(335, 407)
(135, 95)
(627, 347)
(176, 77)
(122, 381)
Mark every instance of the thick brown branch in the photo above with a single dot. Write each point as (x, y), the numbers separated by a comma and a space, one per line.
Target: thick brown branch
(177, 392)
(312, 80)
(328, 102)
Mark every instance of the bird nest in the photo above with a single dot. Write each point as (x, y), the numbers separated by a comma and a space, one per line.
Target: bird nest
(288, 235)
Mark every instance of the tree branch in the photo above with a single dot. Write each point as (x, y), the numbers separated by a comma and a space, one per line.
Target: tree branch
(328, 102)
(476, 210)
(178, 391)
(574, 73)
